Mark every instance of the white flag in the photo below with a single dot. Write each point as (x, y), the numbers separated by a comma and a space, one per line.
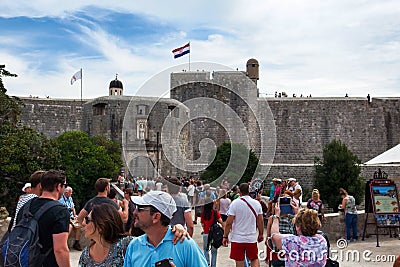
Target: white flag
(76, 76)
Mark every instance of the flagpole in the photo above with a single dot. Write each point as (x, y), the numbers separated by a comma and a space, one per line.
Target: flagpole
(81, 84)
(189, 56)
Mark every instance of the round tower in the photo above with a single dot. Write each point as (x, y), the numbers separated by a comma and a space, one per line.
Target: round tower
(116, 87)
(252, 69)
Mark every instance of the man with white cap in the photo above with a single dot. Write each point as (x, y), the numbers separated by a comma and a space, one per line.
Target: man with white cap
(27, 188)
(35, 191)
(293, 185)
(152, 214)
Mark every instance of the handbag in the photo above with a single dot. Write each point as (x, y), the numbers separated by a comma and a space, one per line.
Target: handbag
(331, 263)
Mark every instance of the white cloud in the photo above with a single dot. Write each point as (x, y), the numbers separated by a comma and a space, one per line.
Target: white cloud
(326, 48)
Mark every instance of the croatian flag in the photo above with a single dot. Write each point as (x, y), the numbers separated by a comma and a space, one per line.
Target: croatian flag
(76, 76)
(180, 51)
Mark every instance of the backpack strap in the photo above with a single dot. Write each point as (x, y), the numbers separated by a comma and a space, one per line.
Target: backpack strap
(254, 212)
(45, 208)
(25, 212)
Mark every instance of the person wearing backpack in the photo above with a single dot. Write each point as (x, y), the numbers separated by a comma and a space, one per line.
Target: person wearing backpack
(53, 224)
(36, 191)
(210, 217)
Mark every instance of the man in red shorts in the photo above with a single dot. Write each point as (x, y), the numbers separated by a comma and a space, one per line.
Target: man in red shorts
(245, 217)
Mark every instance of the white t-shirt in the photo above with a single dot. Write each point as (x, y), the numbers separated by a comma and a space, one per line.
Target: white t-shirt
(224, 205)
(158, 186)
(297, 186)
(190, 190)
(244, 224)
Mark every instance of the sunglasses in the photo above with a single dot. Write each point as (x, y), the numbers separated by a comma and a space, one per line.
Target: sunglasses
(88, 220)
(139, 208)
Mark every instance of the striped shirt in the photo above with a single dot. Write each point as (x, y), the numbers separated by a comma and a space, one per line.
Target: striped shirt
(24, 199)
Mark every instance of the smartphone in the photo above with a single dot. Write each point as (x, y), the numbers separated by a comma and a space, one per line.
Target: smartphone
(253, 195)
(284, 205)
(163, 263)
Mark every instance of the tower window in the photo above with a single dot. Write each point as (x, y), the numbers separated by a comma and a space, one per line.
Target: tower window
(99, 109)
(142, 110)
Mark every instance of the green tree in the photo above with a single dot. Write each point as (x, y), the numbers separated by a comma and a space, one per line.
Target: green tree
(339, 168)
(236, 155)
(23, 150)
(85, 159)
(9, 106)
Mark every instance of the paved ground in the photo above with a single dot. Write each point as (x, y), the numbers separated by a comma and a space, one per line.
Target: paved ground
(359, 253)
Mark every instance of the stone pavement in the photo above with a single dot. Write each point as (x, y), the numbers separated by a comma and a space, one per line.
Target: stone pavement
(359, 253)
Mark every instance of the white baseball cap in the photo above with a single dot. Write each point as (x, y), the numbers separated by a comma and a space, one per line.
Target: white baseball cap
(160, 200)
(292, 179)
(26, 186)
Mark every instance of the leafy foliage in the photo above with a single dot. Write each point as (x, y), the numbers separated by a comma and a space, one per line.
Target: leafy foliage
(23, 151)
(338, 168)
(85, 159)
(9, 106)
(223, 155)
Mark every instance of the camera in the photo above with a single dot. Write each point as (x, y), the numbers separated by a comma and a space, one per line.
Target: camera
(253, 195)
(256, 186)
(284, 205)
(163, 263)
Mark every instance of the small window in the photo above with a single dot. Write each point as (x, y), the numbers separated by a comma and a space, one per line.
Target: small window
(141, 109)
(99, 109)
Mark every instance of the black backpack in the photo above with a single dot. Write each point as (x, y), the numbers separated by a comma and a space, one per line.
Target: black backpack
(21, 246)
(216, 234)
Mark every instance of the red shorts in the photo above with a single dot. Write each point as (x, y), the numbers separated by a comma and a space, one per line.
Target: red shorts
(238, 250)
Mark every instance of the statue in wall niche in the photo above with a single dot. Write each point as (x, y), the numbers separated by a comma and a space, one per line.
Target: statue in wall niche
(379, 174)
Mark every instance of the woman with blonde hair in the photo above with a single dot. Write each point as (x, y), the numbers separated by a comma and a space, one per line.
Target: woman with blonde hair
(315, 203)
(296, 197)
(297, 247)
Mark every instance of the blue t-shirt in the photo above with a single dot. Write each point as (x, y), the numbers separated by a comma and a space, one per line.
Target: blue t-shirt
(184, 254)
(212, 196)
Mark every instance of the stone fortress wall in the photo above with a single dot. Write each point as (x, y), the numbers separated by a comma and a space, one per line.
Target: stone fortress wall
(52, 117)
(303, 125)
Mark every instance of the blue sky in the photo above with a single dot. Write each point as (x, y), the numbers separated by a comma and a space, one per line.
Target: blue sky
(323, 48)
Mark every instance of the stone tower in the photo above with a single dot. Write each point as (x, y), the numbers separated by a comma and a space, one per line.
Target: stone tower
(116, 87)
(252, 70)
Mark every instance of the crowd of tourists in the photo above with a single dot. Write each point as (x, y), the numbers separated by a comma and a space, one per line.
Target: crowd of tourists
(153, 222)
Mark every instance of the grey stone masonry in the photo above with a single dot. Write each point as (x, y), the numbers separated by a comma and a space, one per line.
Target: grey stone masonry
(305, 125)
(52, 117)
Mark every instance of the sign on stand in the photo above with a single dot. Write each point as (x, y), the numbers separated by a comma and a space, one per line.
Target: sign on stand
(385, 204)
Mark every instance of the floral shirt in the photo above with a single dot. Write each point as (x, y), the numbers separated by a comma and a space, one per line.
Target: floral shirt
(114, 258)
(305, 250)
(350, 205)
(315, 205)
